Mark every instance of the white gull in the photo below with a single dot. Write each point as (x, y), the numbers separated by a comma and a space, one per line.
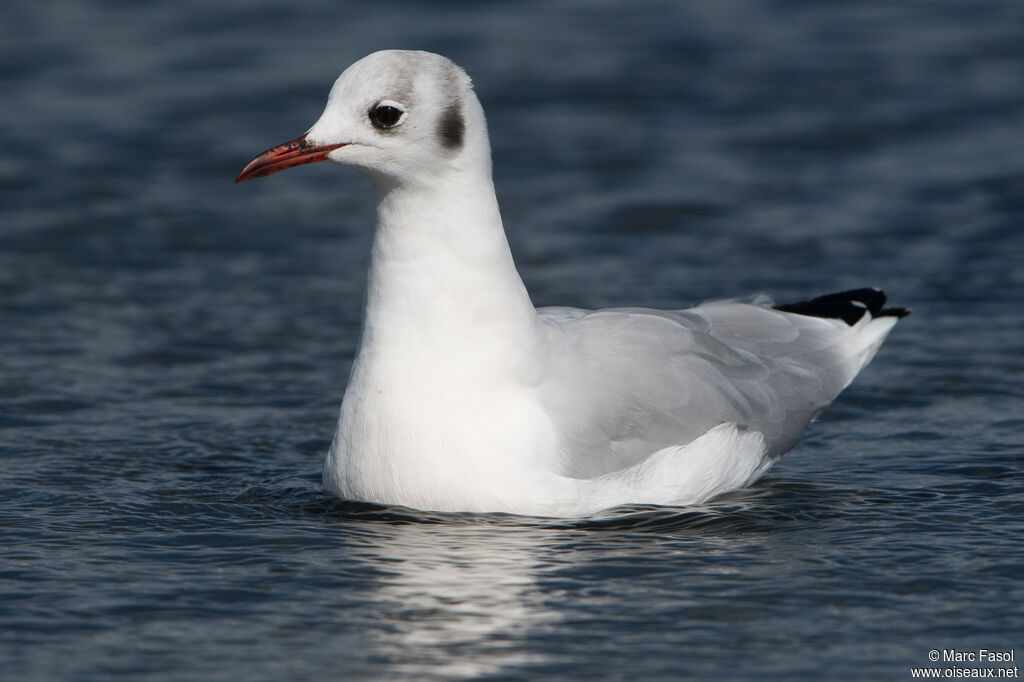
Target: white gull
(464, 397)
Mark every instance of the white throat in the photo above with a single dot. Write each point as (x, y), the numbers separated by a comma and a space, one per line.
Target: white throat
(441, 272)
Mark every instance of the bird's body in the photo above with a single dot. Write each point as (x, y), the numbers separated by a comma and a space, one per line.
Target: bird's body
(464, 397)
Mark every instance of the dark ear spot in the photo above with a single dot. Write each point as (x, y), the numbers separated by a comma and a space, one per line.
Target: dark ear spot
(451, 129)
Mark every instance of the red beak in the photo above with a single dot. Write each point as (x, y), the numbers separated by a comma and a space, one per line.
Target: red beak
(294, 153)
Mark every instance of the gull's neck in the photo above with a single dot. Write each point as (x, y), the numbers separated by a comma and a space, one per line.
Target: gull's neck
(442, 283)
(448, 326)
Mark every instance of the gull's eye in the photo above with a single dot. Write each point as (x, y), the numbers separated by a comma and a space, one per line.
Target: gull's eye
(386, 115)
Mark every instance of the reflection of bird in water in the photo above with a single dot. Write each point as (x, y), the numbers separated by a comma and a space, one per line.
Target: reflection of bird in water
(446, 589)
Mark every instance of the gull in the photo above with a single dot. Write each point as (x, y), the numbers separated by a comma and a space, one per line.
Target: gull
(463, 397)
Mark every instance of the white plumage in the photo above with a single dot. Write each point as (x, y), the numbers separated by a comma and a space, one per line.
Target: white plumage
(463, 397)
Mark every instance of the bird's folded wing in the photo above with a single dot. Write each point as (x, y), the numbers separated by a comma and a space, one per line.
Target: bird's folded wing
(626, 382)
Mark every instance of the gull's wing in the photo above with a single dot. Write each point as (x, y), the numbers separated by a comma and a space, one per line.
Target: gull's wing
(624, 383)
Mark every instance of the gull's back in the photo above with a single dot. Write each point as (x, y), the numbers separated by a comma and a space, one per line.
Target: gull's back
(624, 383)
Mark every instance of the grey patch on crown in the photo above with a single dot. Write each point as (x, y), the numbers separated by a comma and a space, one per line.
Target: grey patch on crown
(451, 127)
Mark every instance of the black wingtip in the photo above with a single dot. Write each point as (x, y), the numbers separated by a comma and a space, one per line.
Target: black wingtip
(894, 312)
(848, 306)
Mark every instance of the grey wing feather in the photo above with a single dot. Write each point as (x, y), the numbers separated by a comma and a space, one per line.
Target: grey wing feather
(653, 378)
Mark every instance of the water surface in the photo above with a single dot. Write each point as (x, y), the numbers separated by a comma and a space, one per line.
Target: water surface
(173, 348)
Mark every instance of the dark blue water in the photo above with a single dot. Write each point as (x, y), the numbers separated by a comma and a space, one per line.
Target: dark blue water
(173, 348)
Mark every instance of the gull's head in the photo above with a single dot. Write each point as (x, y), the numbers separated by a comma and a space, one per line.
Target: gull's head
(398, 115)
